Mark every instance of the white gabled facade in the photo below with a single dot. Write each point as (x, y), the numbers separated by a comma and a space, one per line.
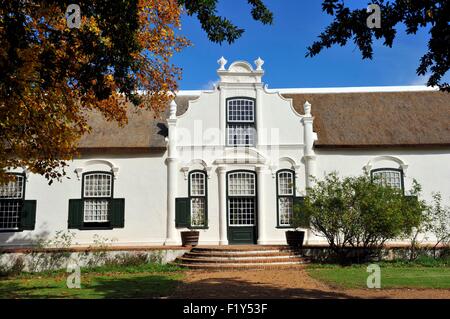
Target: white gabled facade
(246, 191)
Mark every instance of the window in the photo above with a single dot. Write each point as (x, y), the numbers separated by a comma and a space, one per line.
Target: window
(16, 213)
(197, 194)
(285, 197)
(241, 129)
(391, 177)
(11, 202)
(241, 184)
(97, 208)
(97, 195)
(241, 198)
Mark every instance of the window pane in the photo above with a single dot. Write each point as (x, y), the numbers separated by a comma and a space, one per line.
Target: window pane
(198, 184)
(285, 207)
(241, 211)
(96, 210)
(241, 110)
(12, 189)
(389, 178)
(198, 212)
(241, 184)
(97, 185)
(241, 134)
(10, 213)
(285, 183)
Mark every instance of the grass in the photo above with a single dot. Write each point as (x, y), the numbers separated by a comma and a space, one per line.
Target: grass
(423, 273)
(139, 281)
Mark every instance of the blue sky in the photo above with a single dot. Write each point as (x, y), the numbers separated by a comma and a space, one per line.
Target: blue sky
(283, 46)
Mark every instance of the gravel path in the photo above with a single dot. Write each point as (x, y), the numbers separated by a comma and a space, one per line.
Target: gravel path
(283, 283)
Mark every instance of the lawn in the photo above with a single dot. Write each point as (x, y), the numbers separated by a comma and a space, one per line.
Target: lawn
(393, 275)
(143, 281)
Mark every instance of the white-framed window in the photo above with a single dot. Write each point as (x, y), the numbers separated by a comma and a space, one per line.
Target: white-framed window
(391, 177)
(12, 195)
(241, 129)
(97, 195)
(285, 197)
(198, 195)
(241, 184)
(241, 198)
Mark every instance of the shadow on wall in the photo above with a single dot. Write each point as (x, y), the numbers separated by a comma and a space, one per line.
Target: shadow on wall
(24, 238)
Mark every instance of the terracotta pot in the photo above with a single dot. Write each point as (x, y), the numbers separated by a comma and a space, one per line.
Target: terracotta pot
(190, 238)
(294, 238)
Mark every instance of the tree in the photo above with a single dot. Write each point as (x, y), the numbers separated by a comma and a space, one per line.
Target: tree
(357, 215)
(414, 14)
(220, 29)
(51, 75)
(440, 222)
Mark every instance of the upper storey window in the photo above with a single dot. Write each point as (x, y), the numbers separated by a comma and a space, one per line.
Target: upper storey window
(241, 130)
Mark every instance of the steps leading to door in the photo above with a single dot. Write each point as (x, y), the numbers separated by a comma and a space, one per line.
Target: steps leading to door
(240, 257)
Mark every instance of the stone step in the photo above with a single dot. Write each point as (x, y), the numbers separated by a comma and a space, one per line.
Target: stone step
(241, 257)
(254, 249)
(257, 260)
(268, 253)
(237, 266)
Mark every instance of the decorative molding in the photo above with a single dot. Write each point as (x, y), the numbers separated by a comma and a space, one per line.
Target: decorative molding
(297, 169)
(208, 171)
(113, 168)
(173, 110)
(259, 63)
(185, 170)
(273, 169)
(222, 62)
(398, 161)
(79, 172)
(307, 109)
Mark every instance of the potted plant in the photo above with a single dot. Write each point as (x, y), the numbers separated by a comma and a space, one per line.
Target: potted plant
(190, 237)
(295, 238)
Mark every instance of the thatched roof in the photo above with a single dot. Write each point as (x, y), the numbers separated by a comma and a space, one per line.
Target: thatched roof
(369, 119)
(379, 118)
(144, 130)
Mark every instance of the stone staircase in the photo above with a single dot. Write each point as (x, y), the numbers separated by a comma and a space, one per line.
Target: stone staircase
(241, 257)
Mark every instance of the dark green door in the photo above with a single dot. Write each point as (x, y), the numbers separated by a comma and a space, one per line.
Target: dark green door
(241, 204)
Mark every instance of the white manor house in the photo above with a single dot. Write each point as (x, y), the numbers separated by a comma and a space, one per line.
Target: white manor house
(231, 162)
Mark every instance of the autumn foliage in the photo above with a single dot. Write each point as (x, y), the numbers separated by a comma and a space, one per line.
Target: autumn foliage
(51, 76)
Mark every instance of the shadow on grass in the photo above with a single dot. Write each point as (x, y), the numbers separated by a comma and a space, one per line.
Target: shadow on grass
(110, 286)
(237, 288)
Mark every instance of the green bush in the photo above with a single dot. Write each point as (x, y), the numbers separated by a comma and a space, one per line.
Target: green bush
(357, 215)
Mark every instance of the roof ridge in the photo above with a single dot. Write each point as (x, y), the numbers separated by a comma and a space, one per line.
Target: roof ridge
(322, 90)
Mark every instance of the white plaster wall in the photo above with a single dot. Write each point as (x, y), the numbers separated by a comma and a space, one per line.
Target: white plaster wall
(430, 167)
(141, 180)
(201, 144)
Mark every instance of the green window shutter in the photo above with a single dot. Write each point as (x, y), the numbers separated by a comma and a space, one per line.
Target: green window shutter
(28, 217)
(75, 214)
(183, 212)
(118, 213)
(301, 219)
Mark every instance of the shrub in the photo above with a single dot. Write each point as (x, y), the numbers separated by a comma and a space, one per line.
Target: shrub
(439, 222)
(357, 216)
